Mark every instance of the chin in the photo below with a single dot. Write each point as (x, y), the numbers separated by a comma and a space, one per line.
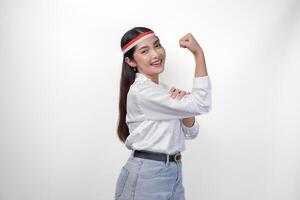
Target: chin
(161, 69)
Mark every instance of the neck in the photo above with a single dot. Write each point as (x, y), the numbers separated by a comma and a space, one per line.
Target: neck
(153, 78)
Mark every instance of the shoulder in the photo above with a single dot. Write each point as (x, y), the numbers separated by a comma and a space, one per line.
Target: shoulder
(139, 87)
(144, 84)
(164, 85)
(147, 90)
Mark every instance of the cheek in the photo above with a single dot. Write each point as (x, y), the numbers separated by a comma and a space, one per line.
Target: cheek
(146, 60)
(163, 51)
(142, 60)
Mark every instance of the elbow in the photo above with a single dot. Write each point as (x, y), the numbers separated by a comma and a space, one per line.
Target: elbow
(203, 105)
(208, 108)
(203, 109)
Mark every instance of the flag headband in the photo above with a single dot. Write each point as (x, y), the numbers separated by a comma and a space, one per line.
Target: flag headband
(137, 40)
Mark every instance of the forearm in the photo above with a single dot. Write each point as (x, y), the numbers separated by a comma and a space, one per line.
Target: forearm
(189, 121)
(200, 69)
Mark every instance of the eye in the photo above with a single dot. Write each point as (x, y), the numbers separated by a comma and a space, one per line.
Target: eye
(158, 45)
(144, 51)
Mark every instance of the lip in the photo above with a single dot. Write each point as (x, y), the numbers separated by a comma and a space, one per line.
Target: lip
(156, 63)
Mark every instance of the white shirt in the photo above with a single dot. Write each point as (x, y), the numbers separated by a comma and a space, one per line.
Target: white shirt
(154, 118)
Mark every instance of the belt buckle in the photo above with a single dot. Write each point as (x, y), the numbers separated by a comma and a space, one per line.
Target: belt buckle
(177, 156)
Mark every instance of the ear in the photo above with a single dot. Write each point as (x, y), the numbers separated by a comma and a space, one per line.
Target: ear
(130, 62)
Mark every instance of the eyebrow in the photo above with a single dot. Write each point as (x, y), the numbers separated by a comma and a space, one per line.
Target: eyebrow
(157, 40)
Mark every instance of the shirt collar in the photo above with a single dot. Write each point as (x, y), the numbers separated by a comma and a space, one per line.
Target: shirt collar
(140, 76)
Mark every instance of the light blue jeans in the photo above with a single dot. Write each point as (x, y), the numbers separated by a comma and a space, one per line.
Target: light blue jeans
(145, 179)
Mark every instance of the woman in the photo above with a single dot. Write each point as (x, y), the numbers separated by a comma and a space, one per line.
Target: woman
(154, 119)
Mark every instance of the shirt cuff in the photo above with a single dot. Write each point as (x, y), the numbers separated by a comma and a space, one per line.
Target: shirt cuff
(202, 82)
(191, 132)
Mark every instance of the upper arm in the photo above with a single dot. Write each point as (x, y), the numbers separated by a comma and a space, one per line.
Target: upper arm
(157, 104)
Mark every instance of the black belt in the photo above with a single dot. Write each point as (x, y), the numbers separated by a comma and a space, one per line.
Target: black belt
(157, 156)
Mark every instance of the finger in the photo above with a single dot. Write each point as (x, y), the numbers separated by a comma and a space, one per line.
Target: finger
(172, 89)
(181, 94)
(184, 43)
(186, 92)
(175, 93)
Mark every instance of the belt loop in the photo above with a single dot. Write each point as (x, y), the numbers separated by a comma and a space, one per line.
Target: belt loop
(167, 162)
(132, 153)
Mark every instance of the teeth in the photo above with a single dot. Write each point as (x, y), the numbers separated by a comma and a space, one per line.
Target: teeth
(156, 63)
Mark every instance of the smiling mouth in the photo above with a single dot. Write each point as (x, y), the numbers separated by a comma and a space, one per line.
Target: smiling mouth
(156, 64)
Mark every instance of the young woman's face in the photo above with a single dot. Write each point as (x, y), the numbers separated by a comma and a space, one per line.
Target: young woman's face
(149, 56)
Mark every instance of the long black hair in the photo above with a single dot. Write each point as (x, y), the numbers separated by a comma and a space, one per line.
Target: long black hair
(127, 78)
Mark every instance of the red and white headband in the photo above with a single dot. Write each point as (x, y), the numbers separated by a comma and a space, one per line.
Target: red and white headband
(137, 40)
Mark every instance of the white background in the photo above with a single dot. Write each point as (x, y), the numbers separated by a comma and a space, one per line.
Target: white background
(60, 67)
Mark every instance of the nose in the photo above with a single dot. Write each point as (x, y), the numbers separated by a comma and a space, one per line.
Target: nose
(155, 53)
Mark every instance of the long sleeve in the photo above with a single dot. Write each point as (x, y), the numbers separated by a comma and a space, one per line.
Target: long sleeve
(157, 104)
(190, 132)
